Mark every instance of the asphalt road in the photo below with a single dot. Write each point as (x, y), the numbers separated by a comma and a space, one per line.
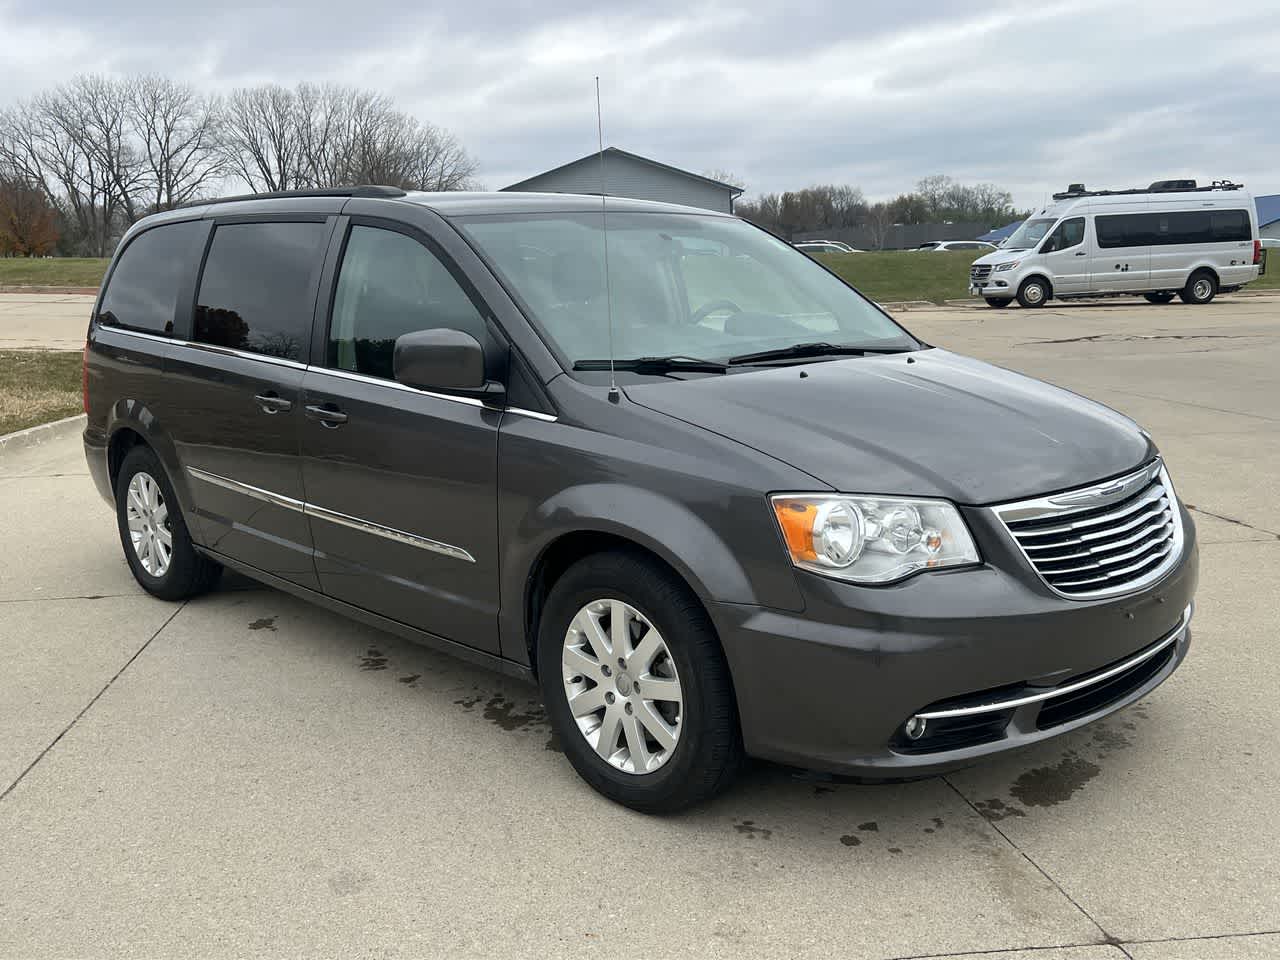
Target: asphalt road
(246, 774)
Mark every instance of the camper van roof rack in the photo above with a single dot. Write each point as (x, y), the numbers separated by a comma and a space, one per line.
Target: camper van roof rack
(1160, 186)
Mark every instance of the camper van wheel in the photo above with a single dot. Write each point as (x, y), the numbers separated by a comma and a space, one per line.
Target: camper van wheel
(1033, 292)
(1201, 288)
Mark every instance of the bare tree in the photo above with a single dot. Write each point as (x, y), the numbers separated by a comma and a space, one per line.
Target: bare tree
(51, 142)
(178, 131)
(260, 141)
(725, 176)
(327, 136)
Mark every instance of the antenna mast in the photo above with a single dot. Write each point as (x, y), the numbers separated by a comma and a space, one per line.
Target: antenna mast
(614, 393)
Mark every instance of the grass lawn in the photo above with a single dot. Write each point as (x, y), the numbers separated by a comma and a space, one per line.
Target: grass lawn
(905, 275)
(52, 272)
(37, 386)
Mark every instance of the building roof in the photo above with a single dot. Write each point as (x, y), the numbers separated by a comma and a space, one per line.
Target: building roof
(1001, 233)
(1268, 209)
(728, 187)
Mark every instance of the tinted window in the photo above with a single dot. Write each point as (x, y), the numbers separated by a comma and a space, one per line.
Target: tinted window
(257, 292)
(390, 284)
(143, 290)
(1164, 229)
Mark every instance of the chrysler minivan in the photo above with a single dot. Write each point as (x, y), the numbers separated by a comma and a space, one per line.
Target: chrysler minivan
(713, 500)
(1172, 239)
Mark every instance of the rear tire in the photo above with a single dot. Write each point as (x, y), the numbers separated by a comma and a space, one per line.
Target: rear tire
(1202, 287)
(154, 534)
(997, 303)
(1161, 296)
(707, 749)
(1034, 292)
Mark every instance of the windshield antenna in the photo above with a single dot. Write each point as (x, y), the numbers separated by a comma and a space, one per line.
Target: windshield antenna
(614, 393)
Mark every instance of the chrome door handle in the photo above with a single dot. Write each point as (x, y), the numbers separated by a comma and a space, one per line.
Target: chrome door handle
(328, 415)
(1082, 253)
(272, 403)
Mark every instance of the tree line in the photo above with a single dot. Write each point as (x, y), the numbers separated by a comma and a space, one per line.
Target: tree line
(81, 162)
(936, 199)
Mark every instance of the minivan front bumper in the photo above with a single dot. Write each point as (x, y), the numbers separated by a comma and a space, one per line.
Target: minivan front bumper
(987, 657)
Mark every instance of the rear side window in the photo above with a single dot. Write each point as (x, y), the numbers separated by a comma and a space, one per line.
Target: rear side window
(257, 292)
(390, 284)
(142, 293)
(1168, 229)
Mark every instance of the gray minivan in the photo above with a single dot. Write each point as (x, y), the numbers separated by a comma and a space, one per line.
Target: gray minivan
(714, 500)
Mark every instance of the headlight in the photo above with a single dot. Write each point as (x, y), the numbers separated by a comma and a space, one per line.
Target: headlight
(871, 539)
(1007, 266)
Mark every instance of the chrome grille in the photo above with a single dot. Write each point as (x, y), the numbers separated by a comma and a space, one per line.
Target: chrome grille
(980, 271)
(1109, 538)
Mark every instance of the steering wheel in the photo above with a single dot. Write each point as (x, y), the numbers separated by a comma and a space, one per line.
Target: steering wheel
(707, 309)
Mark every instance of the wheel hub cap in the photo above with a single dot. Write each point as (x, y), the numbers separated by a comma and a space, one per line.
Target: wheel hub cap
(147, 518)
(630, 716)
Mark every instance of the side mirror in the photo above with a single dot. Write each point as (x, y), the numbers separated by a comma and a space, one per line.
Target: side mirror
(442, 359)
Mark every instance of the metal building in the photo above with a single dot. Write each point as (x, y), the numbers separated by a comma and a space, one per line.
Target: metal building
(631, 175)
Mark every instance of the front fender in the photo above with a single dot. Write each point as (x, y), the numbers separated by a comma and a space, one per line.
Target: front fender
(718, 571)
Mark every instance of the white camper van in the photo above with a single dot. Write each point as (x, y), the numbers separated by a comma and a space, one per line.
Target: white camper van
(1171, 239)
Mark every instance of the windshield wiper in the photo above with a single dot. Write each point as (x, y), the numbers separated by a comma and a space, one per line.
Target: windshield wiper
(810, 350)
(656, 365)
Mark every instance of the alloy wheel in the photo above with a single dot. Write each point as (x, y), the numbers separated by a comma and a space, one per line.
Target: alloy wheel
(622, 687)
(147, 516)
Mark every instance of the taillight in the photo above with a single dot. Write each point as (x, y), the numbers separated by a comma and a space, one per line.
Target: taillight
(1257, 252)
(84, 376)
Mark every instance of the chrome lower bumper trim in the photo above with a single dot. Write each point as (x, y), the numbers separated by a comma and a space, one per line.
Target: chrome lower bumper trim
(997, 705)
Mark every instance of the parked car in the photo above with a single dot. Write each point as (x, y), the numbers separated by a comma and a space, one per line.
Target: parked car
(715, 504)
(941, 246)
(1170, 239)
(825, 246)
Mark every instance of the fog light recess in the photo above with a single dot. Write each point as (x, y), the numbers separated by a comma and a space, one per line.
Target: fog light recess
(914, 728)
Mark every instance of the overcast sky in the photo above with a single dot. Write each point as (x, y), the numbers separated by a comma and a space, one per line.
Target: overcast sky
(1030, 95)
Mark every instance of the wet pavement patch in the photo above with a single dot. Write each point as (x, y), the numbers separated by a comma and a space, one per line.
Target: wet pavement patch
(505, 713)
(748, 828)
(869, 827)
(996, 809)
(849, 840)
(410, 678)
(1051, 785)
(263, 623)
(373, 660)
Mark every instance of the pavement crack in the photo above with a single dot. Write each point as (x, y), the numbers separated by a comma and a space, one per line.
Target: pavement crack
(1144, 337)
(1239, 523)
(76, 719)
(1107, 938)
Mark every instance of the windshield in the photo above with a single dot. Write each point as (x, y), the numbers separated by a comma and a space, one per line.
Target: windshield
(682, 285)
(1029, 234)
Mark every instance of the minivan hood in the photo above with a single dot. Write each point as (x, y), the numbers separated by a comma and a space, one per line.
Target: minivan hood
(929, 423)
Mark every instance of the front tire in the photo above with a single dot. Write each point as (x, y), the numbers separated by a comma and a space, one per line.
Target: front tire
(154, 534)
(1034, 292)
(1202, 287)
(1161, 296)
(998, 303)
(636, 685)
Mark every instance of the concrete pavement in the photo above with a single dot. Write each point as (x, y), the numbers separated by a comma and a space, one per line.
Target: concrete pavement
(246, 774)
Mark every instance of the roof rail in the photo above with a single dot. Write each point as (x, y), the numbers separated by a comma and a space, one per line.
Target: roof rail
(1160, 186)
(364, 190)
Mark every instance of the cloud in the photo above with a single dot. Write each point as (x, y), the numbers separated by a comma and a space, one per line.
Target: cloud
(876, 93)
